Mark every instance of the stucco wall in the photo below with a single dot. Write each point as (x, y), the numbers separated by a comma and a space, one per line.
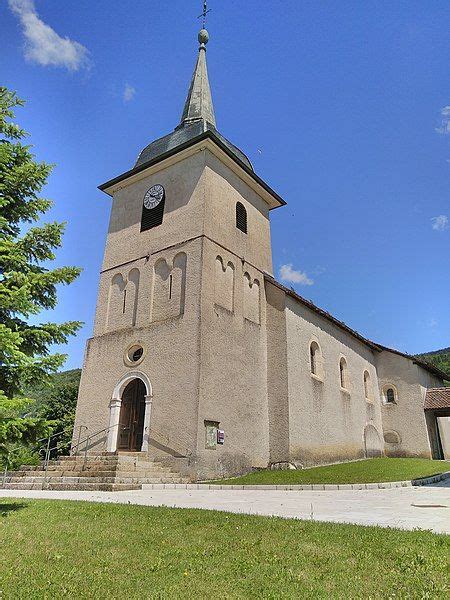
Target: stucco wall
(326, 423)
(171, 360)
(222, 190)
(233, 382)
(183, 212)
(277, 374)
(406, 416)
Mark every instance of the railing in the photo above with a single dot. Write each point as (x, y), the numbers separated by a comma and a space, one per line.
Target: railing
(44, 450)
(88, 443)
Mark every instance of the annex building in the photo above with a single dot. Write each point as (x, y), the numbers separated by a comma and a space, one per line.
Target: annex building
(200, 358)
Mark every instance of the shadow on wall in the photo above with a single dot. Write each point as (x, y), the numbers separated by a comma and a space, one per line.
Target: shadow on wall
(123, 300)
(169, 288)
(127, 208)
(224, 284)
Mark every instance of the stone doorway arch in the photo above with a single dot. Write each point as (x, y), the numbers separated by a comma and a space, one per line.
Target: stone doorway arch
(115, 407)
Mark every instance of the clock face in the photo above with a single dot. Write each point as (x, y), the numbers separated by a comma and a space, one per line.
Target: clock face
(153, 196)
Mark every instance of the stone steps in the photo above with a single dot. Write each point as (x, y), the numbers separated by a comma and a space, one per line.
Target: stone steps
(104, 472)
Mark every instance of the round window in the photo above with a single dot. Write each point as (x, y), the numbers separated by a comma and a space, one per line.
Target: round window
(134, 354)
(137, 354)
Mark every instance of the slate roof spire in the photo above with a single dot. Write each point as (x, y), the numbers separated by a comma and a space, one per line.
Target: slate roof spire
(198, 105)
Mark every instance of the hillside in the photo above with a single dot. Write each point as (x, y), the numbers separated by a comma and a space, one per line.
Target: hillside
(40, 392)
(440, 359)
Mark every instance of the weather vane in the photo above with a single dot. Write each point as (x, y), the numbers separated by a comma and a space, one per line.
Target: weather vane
(206, 10)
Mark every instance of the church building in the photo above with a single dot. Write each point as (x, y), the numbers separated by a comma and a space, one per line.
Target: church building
(200, 357)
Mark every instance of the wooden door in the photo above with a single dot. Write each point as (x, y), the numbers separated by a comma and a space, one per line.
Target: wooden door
(131, 420)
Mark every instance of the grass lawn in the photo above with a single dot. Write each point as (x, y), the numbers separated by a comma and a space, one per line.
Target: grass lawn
(373, 470)
(54, 549)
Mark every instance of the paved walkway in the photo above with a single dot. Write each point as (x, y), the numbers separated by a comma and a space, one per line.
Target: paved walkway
(405, 508)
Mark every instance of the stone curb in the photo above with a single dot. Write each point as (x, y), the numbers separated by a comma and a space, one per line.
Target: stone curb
(307, 487)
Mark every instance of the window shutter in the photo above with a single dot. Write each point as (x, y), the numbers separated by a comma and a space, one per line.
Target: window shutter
(152, 217)
(241, 217)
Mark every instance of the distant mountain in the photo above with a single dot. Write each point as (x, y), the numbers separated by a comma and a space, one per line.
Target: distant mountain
(440, 359)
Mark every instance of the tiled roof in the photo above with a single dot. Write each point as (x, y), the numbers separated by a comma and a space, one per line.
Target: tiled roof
(437, 398)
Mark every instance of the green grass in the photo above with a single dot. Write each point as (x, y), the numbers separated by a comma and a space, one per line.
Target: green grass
(373, 470)
(55, 549)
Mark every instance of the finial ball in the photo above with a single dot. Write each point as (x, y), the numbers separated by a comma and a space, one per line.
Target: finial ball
(203, 36)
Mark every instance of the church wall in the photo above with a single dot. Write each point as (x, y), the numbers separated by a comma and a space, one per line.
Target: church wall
(223, 189)
(406, 417)
(171, 351)
(277, 374)
(233, 389)
(326, 423)
(183, 212)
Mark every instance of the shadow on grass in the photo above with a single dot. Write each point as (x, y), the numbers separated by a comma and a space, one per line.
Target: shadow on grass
(5, 509)
(441, 482)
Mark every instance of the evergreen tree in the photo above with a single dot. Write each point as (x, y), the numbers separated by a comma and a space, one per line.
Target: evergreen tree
(26, 286)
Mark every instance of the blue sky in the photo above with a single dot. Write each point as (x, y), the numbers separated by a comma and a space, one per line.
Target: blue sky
(343, 108)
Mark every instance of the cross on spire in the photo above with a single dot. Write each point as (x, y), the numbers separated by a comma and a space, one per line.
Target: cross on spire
(206, 10)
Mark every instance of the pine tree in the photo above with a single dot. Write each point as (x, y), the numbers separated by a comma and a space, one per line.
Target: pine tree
(26, 286)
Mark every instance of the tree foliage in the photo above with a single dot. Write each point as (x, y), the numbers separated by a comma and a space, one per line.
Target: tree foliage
(56, 402)
(440, 359)
(27, 284)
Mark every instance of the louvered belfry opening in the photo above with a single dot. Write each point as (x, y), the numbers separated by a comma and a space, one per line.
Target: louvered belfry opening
(241, 217)
(152, 217)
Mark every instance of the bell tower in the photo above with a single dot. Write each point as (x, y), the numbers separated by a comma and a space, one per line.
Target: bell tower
(181, 305)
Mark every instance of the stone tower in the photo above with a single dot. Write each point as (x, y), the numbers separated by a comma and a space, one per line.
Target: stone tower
(178, 360)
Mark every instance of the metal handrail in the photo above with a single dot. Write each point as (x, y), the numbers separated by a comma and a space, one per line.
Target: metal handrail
(88, 438)
(47, 447)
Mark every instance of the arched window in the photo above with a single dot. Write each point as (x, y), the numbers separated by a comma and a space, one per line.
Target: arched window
(315, 359)
(390, 394)
(367, 386)
(343, 372)
(241, 217)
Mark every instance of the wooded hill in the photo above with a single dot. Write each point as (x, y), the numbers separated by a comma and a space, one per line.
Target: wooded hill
(440, 359)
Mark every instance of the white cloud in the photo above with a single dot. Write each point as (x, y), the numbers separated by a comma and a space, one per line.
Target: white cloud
(445, 121)
(43, 45)
(287, 273)
(128, 93)
(432, 323)
(440, 222)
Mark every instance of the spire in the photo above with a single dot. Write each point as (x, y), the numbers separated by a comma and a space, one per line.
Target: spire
(199, 106)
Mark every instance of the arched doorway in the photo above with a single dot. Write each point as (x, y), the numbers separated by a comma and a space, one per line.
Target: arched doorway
(132, 415)
(372, 442)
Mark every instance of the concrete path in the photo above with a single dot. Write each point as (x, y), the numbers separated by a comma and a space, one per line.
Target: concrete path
(405, 508)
